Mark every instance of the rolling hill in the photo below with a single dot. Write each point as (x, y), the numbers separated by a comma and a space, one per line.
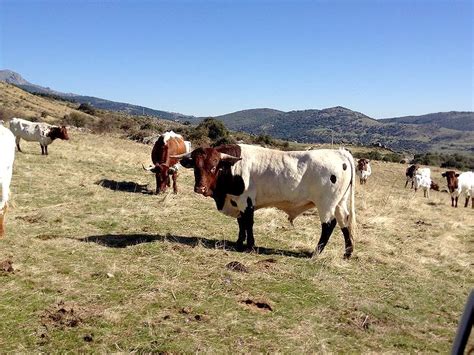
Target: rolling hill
(343, 125)
(449, 132)
(16, 79)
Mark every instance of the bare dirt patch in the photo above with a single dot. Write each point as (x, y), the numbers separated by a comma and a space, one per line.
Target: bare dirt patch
(6, 266)
(236, 266)
(62, 315)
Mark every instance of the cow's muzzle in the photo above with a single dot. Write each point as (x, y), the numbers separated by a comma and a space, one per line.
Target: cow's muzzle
(202, 190)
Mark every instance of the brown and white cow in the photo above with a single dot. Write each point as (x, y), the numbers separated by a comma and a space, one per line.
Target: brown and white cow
(243, 178)
(164, 164)
(363, 170)
(458, 184)
(410, 174)
(40, 132)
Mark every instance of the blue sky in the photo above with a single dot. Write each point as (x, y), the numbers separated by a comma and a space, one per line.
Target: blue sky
(383, 58)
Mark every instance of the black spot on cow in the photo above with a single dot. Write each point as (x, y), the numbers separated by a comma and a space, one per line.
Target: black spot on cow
(233, 203)
(333, 179)
(344, 166)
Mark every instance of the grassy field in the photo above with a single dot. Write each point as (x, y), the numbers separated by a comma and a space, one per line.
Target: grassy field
(93, 262)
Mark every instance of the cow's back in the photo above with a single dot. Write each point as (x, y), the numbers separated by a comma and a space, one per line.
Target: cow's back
(166, 147)
(293, 177)
(29, 131)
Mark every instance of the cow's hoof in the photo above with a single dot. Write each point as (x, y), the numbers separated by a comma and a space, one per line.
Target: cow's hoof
(347, 256)
(239, 247)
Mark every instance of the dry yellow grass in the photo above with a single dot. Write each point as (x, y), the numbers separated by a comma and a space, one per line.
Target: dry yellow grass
(102, 270)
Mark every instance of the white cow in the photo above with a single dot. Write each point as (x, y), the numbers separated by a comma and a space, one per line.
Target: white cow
(41, 132)
(7, 156)
(242, 178)
(422, 180)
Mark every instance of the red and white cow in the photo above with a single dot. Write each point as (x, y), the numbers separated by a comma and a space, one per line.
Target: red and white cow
(41, 132)
(363, 170)
(7, 156)
(458, 184)
(164, 164)
(243, 178)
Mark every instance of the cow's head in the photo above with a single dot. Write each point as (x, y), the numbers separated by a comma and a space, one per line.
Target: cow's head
(58, 132)
(208, 164)
(434, 186)
(362, 164)
(452, 179)
(162, 173)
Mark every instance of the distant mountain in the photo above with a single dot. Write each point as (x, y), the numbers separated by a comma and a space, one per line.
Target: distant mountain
(343, 125)
(462, 121)
(16, 79)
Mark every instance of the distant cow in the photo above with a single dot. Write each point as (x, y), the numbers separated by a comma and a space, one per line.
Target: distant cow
(243, 178)
(41, 132)
(410, 174)
(423, 180)
(164, 164)
(458, 184)
(363, 170)
(7, 156)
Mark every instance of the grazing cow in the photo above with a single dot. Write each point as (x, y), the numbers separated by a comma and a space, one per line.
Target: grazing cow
(41, 132)
(243, 178)
(458, 184)
(363, 170)
(410, 174)
(164, 164)
(7, 155)
(423, 180)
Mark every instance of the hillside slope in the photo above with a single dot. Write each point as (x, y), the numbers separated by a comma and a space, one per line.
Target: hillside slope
(16, 79)
(461, 121)
(343, 125)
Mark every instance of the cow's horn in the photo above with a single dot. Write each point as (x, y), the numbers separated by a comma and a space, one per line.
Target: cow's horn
(229, 158)
(149, 168)
(181, 156)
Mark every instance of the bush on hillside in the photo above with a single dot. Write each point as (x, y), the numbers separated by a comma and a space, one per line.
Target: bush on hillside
(86, 108)
(76, 119)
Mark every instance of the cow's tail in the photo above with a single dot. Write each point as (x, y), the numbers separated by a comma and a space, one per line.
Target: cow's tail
(352, 224)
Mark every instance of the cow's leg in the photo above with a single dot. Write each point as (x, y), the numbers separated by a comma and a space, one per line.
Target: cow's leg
(3, 211)
(472, 202)
(175, 186)
(456, 201)
(17, 140)
(412, 182)
(342, 217)
(467, 201)
(248, 216)
(42, 149)
(157, 185)
(242, 233)
(406, 183)
(452, 201)
(326, 231)
(45, 150)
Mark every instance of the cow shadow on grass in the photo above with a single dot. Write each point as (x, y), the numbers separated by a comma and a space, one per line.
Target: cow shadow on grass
(126, 240)
(125, 186)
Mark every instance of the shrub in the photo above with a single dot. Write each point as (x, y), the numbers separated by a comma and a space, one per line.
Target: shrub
(87, 108)
(75, 119)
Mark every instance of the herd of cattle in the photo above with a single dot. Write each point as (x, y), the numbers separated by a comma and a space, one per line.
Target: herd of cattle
(242, 178)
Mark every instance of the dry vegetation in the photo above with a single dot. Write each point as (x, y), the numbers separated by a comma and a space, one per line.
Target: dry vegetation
(88, 267)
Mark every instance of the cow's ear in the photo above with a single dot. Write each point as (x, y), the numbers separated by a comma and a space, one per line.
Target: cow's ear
(457, 175)
(187, 162)
(443, 174)
(229, 158)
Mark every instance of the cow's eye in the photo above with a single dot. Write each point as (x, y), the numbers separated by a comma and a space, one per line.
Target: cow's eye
(213, 169)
